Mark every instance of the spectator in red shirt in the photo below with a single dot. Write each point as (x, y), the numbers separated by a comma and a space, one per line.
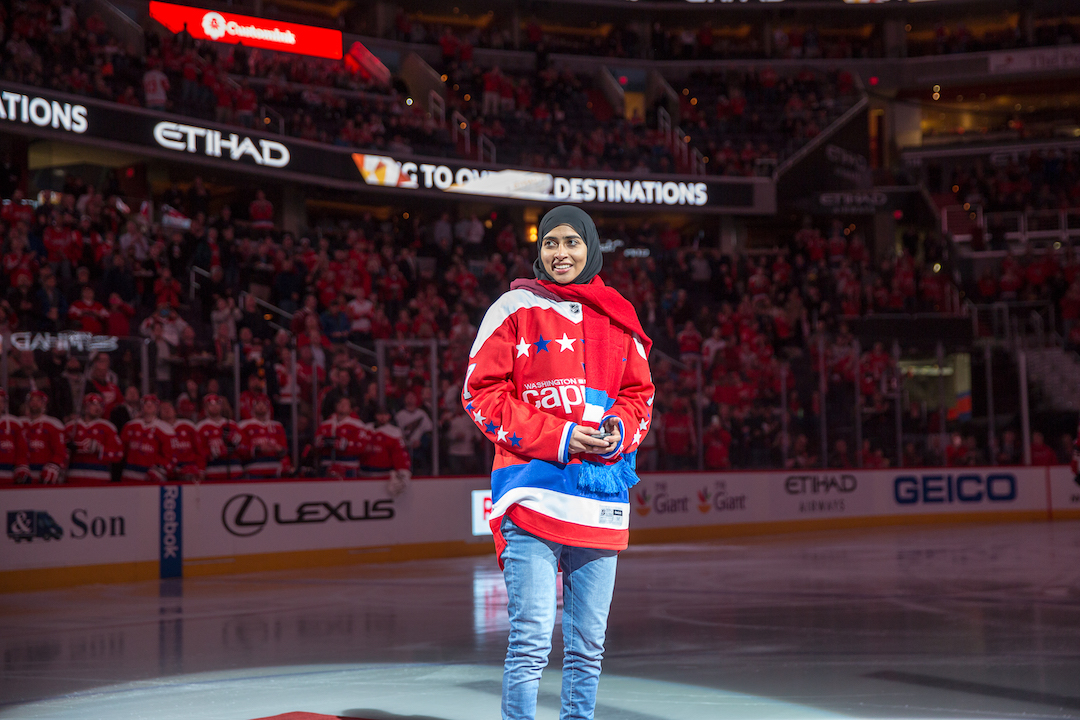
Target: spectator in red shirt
(167, 289)
(717, 446)
(261, 212)
(87, 313)
(677, 440)
(1041, 453)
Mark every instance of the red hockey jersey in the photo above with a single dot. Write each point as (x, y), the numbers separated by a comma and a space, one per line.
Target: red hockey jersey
(97, 447)
(263, 446)
(340, 444)
(147, 445)
(220, 441)
(525, 389)
(13, 452)
(45, 443)
(386, 451)
(189, 456)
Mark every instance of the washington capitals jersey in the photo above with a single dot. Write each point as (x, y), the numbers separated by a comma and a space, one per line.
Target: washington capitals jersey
(45, 441)
(188, 448)
(260, 460)
(13, 451)
(147, 444)
(386, 451)
(93, 465)
(525, 389)
(220, 440)
(350, 433)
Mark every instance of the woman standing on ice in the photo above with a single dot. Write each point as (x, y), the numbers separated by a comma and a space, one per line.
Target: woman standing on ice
(558, 379)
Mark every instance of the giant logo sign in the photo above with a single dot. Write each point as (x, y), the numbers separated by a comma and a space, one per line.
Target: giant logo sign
(245, 515)
(235, 29)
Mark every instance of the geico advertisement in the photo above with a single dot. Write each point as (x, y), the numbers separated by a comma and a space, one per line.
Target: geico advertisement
(1064, 492)
(963, 490)
(251, 518)
(59, 527)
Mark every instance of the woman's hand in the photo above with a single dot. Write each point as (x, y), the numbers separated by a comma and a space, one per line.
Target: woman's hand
(582, 440)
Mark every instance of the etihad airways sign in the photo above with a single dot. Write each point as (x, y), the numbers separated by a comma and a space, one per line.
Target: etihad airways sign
(214, 143)
(249, 31)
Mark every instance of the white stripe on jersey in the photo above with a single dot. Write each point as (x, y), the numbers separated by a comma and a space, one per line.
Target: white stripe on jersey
(510, 303)
(560, 506)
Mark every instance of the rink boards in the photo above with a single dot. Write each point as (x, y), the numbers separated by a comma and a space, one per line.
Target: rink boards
(59, 536)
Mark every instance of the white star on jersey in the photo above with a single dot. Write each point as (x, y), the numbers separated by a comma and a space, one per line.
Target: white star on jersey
(523, 348)
(478, 417)
(637, 438)
(502, 435)
(565, 343)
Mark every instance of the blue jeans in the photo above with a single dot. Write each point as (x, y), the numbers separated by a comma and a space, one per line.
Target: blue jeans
(530, 565)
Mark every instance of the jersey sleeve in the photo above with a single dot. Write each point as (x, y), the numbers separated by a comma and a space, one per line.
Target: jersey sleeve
(247, 442)
(111, 449)
(490, 397)
(57, 446)
(399, 454)
(166, 447)
(322, 433)
(22, 450)
(358, 439)
(280, 438)
(633, 407)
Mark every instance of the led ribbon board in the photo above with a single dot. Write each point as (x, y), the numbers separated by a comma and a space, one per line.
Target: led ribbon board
(249, 31)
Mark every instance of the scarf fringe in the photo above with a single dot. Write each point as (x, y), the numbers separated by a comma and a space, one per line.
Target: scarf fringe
(608, 479)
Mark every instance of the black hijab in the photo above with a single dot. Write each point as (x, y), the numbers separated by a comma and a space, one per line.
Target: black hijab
(578, 219)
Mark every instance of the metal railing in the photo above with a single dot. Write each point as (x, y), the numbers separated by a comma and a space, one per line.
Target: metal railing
(485, 146)
(1018, 231)
(437, 107)
(459, 125)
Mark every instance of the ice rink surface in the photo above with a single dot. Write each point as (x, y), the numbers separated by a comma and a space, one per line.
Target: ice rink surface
(972, 621)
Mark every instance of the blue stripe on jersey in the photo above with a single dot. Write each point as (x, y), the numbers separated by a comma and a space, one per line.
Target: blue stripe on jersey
(598, 397)
(548, 476)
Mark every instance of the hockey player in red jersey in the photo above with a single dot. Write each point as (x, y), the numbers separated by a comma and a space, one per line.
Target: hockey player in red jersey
(14, 466)
(95, 441)
(340, 441)
(148, 444)
(219, 439)
(263, 444)
(44, 441)
(189, 458)
(386, 453)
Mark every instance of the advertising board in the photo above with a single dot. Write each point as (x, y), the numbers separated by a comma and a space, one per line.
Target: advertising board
(56, 535)
(53, 529)
(233, 29)
(237, 519)
(44, 113)
(1064, 489)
